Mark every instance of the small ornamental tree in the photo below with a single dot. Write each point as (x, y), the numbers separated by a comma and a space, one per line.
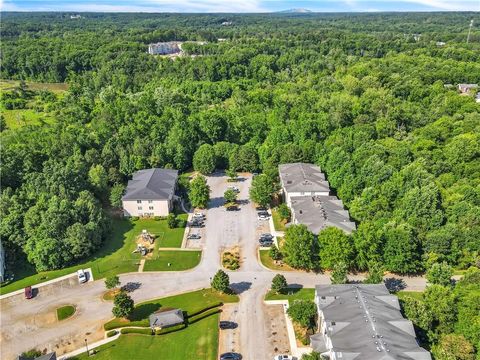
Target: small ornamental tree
(339, 273)
(303, 312)
(171, 221)
(230, 196)
(279, 283)
(440, 274)
(312, 356)
(274, 253)
(112, 282)
(221, 281)
(199, 192)
(284, 212)
(122, 305)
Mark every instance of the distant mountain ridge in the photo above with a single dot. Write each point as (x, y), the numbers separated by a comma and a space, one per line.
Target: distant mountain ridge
(296, 10)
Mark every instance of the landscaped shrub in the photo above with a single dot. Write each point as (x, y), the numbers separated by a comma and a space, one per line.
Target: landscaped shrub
(203, 315)
(134, 218)
(144, 331)
(170, 329)
(181, 223)
(205, 309)
(112, 333)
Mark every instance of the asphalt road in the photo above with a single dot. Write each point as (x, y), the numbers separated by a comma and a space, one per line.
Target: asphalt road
(25, 324)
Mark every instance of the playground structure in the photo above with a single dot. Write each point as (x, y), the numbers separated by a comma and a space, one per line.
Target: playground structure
(145, 243)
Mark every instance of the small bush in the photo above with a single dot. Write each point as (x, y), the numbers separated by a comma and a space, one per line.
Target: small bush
(112, 333)
(181, 223)
(143, 331)
(157, 218)
(170, 329)
(203, 315)
(134, 218)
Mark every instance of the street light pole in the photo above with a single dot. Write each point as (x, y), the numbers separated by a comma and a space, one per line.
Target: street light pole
(86, 345)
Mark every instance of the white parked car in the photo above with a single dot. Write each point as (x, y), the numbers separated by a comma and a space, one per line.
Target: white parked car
(198, 215)
(82, 276)
(284, 357)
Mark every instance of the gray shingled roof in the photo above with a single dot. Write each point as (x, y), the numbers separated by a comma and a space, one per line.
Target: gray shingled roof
(49, 356)
(364, 322)
(319, 212)
(302, 177)
(163, 319)
(151, 184)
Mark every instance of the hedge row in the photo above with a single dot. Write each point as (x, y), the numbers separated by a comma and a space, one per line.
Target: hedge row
(170, 329)
(217, 304)
(112, 333)
(118, 323)
(194, 319)
(144, 331)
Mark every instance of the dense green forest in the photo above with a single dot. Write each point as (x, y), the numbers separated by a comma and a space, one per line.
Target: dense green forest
(356, 94)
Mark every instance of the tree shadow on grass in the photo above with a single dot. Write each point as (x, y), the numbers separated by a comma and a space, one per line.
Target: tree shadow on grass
(143, 311)
(292, 289)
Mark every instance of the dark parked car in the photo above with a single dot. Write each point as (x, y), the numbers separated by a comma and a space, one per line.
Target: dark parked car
(28, 292)
(227, 325)
(266, 237)
(231, 356)
(232, 208)
(196, 224)
(266, 243)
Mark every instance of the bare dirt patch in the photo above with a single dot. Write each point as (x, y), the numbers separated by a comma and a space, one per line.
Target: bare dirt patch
(277, 339)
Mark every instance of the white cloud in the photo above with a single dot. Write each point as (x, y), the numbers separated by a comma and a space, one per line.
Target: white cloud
(450, 5)
(140, 6)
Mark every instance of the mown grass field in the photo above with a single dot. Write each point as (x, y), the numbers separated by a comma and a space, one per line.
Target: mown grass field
(198, 341)
(65, 312)
(56, 88)
(292, 294)
(268, 262)
(189, 302)
(178, 260)
(277, 223)
(114, 257)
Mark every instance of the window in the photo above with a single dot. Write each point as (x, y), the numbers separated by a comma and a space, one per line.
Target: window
(139, 201)
(150, 208)
(150, 201)
(139, 208)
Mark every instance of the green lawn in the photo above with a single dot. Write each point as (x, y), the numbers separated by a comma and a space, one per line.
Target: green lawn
(165, 237)
(115, 257)
(56, 88)
(269, 263)
(189, 302)
(277, 223)
(65, 312)
(197, 341)
(292, 294)
(178, 260)
(21, 117)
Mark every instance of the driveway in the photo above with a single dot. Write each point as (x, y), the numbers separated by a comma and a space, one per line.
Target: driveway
(27, 325)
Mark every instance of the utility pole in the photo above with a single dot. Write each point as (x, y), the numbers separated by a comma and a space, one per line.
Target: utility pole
(86, 345)
(469, 30)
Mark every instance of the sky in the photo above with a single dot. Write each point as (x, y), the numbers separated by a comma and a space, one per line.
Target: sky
(240, 6)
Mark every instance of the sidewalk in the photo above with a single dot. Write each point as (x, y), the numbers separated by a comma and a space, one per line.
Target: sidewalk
(90, 347)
